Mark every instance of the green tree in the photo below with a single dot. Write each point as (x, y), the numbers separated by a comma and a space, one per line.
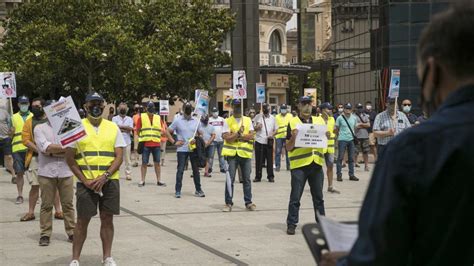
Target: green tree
(119, 49)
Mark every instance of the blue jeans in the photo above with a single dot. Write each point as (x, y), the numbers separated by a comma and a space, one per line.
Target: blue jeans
(341, 149)
(217, 146)
(279, 146)
(314, 174)
(156, 151)
(246, 167)
(182, 157)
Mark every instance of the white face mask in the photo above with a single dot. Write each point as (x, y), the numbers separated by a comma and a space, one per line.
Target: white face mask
(406, 109)
(215, 114)
(24, 108)
(368, 107)
(340, 110)
(283, 111)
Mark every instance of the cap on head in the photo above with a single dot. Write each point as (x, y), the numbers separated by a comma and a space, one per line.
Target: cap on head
(348, 106)
(264, 104)
(305, 99)
(150, 105)
(23, 99)
(325, 105)
(236, 102)
(214, 109)
(359, 106)
(94, 96)
(283, 106)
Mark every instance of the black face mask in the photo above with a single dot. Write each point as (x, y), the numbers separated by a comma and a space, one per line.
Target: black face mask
(188, 110)
(38, 112)
(205, 121)
(95, 111)
(123, 111)
(266, 111)
(428, 105)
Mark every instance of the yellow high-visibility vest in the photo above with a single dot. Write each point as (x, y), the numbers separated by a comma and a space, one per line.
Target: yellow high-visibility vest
(150, 132)
(331, 141)
(18, 123)
(282, 124)
(300, 157)
(243, 149)
(98, 148)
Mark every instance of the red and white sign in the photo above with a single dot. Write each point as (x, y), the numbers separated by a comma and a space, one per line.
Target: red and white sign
(8, 81)
(66, 122)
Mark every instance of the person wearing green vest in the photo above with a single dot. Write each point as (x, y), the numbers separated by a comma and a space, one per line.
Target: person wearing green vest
(18, 149)
(95, 161)
(306, 165)
(327, 117)
(238, 134)
(282, 121)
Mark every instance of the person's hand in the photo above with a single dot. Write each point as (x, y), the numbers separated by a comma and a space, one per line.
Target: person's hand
(98, 183)
(241, 131)
(331, 258)
(88, 183)
(179, 143)
(294, 133)
(328, 134)
(391, 132)
(192, 142)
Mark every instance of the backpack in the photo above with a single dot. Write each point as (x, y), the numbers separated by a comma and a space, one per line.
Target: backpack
(200, 151)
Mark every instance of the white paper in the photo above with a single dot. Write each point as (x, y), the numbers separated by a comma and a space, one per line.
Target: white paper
(311, 136)
(339, 236)
(239, 89)
(8, 85)
(65, 121)
(164, 107)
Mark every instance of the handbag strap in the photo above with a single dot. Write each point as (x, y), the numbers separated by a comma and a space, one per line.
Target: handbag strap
(352, 132)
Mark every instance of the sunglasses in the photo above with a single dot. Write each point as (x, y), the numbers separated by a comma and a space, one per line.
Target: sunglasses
(406, 104)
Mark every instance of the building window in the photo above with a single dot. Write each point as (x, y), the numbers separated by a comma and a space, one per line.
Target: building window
(275, 43)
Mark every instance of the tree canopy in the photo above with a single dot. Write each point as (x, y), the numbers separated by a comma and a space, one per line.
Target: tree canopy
(122, 50)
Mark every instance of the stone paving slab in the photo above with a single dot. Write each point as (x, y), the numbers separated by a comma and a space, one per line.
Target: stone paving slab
(154, 228)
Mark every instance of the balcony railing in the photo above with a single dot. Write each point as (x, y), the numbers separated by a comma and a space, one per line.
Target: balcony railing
(276, 3)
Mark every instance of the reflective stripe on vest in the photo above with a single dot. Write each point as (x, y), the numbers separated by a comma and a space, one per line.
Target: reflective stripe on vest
(282, 123)
(300, 157)
(331, 141)
(98, 149)
(18, 123)
(150, 132)
(243, 149)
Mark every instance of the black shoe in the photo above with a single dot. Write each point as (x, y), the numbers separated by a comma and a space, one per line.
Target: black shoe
(210, 171)
(223, 171)
(339, 178)
(290, 230)
(70, 238)
(44, 241)
(353, 178)
(160, 184)
(257, 180)
(271, 180)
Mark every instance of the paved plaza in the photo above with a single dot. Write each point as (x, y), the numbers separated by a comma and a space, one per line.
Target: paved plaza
(155, 228)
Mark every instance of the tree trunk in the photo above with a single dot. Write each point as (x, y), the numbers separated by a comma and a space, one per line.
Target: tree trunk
(89, 78)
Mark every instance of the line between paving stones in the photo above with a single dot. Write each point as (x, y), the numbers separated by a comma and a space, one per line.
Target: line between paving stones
(185, 237)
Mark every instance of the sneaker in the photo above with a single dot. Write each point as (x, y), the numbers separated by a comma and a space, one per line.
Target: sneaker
(199, 194)
(161, 184)
(333, 190)
(223, 171)
(210, 170)
(290, 230)
(357, 165)
(19, 200)
(177, 195)
(74, 263)
(251, 207)
(339, 178)
(271, 180)
(256, 180)
(207, 175)
(141, 184)
(135, 164)
(70, 238)
(353, 178)
(274, 166)
(109, 262)
(44, 241)
(227, 208)
(13, 180)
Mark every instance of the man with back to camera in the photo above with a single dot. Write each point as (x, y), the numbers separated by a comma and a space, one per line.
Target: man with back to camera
(418, 207)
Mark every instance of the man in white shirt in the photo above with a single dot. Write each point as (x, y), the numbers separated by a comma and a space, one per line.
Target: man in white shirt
(265, 128)
(218, 123)
(125, 124)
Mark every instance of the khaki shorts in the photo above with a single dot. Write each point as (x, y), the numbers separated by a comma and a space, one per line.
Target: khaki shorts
(32, 172)
(372, 139)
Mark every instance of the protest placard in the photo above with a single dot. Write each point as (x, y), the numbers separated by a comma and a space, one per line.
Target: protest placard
(164, 107)
(8, 81)
(239, 90)
(260, 92)
(65, 121)
(311, 136)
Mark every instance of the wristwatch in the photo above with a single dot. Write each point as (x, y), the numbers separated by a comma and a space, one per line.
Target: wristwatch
(107, 174)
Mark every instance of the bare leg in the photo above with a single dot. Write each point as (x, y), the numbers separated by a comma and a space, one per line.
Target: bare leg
(206, 169)
(57, 202)
(366, 159)
(143, 171)
(9, 164)
(106, 233)
(20, 180)
(330, 174)
(33, 198)
(157, 172)
(80, 235)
